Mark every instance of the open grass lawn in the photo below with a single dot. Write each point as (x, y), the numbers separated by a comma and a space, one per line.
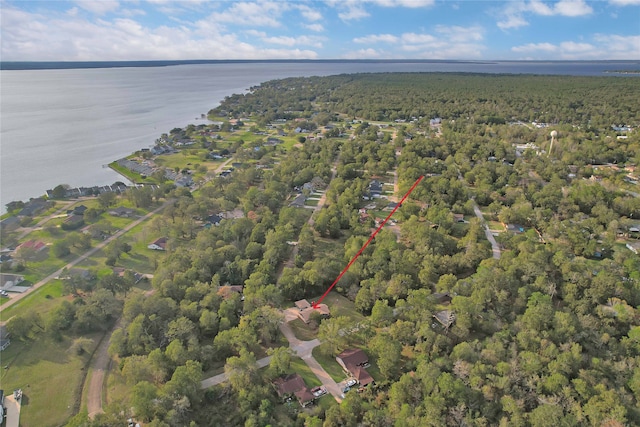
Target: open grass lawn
(495, 226)
(311, 202)
(303, 331)
(342, 306)
(332, 248)
(289, 142)
(321, 354)
(117, 389)
(298, 366)
(42, 301)
(50, 377)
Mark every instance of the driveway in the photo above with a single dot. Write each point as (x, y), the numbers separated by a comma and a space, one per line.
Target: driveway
(495, 248)
(13, 411)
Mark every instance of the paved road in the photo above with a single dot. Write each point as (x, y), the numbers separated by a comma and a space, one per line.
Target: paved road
(495, 248)
(302, 349)
(90, 252)
(13, 411)
(220, 378)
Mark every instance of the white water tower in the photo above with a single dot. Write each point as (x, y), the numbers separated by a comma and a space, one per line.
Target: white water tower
(554, 135)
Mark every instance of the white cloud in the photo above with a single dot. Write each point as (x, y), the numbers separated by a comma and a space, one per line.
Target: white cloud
(413, 38)
(365, 54)
(309, 13)
(512, 21)
(620, 47)
(604, 46)
(256, 33)
(130, 13)
(353, 11)
(99, 7)
(295, 41)
(625, 2)
(314, 27)
(535, 47)
(38, 37)
(572, 8)
(376, 38)
(512, 15)
(458, 34)
(262, 14)
(573, 47)
(539, 8)
(404, 3)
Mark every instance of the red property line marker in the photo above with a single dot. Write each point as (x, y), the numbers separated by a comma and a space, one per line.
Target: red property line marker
(415, 184)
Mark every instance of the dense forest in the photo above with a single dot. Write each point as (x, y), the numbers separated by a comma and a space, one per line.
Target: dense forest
(545, 334)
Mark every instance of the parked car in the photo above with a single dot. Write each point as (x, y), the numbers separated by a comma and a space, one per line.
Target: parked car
(318, 391)
(351, 382)
(346, 389)
(4, 293)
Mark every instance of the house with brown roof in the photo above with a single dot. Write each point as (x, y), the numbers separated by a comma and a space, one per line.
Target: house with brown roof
(36, 245)
(305, 310)
(354, 362)
(158, 244)
(293, 385)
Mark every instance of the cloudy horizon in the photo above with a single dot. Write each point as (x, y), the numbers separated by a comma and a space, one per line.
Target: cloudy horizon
(105, 30)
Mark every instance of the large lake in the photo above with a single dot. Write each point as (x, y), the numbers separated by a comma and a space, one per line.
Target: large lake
(61, 126)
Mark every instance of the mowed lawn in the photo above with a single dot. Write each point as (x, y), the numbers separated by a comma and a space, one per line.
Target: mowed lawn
(50, 377)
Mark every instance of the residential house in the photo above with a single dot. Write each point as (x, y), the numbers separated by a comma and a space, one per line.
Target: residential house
(184, 181)
(633, 247)
(10, 223)
(36, 245)
(305, 310)
(4, 341)
(73, 221)
(515, 228)
(122, 212)
(77, 210)
(458, 217)
(33, 207)
(375, 189)
(214, 219)
(442, 297)
(120, 272)
(298, 202)
(9, 280)
(7, 259)
(445, 318)
(293, 385)
(391, 206)
(159, 244)
(354, 362)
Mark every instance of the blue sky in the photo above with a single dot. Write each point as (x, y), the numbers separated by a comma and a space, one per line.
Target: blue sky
(104, 30)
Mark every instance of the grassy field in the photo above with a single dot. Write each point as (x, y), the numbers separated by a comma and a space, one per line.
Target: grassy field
(303, 331)
(50, 376)
(298, 366)
(321, 354)
(342, 306)
(42, 300)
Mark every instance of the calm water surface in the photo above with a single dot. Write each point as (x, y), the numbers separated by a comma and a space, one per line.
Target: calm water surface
(62, 126)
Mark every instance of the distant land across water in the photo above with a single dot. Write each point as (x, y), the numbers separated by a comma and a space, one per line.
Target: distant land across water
(617, 66)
